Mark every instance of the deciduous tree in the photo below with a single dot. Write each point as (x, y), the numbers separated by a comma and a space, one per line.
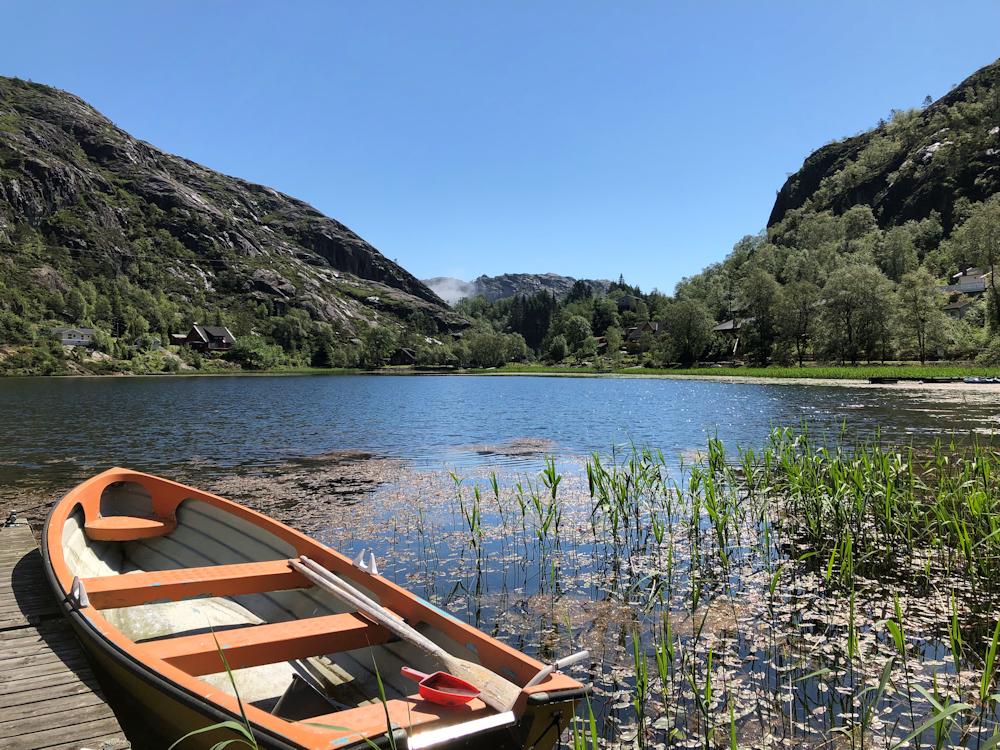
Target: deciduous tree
(922, 322)
(688, 329)
(797, 312)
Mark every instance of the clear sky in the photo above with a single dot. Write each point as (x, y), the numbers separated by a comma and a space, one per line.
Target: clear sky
(469, 137)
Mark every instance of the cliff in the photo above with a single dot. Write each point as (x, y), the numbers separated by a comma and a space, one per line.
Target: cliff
(933, 159)
(83, 201)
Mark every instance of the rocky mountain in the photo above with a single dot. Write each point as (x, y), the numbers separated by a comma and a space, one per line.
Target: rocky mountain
(508, 285)
(935, 159)
(83, 203)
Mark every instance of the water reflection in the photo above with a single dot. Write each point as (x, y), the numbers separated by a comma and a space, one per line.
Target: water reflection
(64, 427)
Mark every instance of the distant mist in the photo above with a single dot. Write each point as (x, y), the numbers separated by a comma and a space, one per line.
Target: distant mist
(508, 285)
(451, 290)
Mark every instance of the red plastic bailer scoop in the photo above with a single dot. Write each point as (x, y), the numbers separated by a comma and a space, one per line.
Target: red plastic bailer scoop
(442, 688)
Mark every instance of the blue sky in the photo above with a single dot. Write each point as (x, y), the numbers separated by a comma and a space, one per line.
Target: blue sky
(467, 137)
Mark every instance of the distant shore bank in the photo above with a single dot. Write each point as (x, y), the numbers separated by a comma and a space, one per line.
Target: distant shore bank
(723, 377)
(845, 376)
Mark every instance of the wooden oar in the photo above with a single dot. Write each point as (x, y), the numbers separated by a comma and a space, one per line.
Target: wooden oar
(495, 691)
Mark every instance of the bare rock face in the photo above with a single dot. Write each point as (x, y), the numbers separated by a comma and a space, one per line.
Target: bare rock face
(67, 172)
(273, 283)
(930, 160)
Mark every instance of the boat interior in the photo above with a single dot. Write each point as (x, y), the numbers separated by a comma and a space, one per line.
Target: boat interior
(174, 570)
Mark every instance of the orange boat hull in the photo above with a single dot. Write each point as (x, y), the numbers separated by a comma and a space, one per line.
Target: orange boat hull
(137, 560)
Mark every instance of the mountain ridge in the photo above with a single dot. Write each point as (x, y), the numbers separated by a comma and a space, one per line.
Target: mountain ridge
(87, 199)
(917, 162)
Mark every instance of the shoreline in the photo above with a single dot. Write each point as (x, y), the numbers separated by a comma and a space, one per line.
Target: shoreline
(720, 377)
(772, 380)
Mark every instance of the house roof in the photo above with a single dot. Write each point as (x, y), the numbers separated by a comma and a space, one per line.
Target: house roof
(650, 326)
(73, 329)
(213, 332)
(734, 324)
(971, 271)
(958, 304)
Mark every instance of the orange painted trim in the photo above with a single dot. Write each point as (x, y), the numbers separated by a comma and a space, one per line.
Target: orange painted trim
(134, 589)
(267, 644)
(127, 528)
(167, 496)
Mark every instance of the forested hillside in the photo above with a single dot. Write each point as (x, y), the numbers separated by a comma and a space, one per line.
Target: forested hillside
(863, 241)
(101, 230)
(861, 260)
(882, 247)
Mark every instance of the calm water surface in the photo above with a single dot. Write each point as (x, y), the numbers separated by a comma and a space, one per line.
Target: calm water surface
(548, 593)
(65, 426)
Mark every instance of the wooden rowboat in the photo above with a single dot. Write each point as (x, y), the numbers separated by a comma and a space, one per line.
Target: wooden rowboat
(151, 573)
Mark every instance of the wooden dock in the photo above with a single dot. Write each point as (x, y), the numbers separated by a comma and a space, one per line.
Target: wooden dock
(48, 696)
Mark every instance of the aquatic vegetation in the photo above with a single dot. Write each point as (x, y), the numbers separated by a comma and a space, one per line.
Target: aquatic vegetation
(807, 593)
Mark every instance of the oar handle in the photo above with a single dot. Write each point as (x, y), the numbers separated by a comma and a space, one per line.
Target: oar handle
(572, 659)
(339, 588)
(562, 663)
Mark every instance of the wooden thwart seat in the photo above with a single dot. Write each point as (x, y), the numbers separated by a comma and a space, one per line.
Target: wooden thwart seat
(271, 643)
(134, 589)
(128, 528)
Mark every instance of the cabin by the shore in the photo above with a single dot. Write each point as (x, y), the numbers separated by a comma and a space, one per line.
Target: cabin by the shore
(71, 336)
(731, 329)
(403, 356)
(205, 338)
(957, 309)
(634, 336)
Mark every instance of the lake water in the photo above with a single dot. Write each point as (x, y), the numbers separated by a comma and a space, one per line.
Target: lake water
(60, 428)
(547, 576)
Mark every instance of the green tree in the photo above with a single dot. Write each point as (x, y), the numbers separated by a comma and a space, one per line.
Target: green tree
(613, 337)
(515, 348)
(922, 321)
(532, 316)
(486, 349)
(293, 331)
(580, 291)
(899, 253)
(857, 310)
(76, 306)
(253, 353)
(797, 314)
(378, 342)
(558, 349)
(577, 330)
(688, 330)
(587, 349)
(605, 315)
(761, 295)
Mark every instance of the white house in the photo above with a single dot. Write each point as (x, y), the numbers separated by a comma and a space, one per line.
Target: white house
(968, 281)
(74, 336)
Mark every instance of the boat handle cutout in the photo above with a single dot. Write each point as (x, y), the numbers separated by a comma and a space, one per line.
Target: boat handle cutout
(78, 594)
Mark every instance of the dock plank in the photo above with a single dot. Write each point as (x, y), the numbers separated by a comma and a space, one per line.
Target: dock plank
(76, 736)
(49, 698)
